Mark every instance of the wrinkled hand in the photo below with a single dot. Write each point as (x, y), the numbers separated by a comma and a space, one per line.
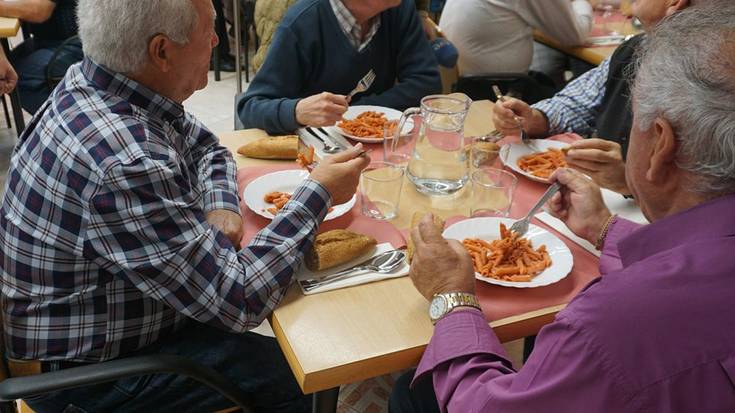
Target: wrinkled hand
(324, 109)
(579, 204)
(8, 77)
(439, 265)
(506, 116)
(602, 161)
(340, 173)
(229, 223)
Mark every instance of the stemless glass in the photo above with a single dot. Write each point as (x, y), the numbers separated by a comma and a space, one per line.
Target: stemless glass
(484, 151)
(380, 190)
(492, 192)
(397, 146)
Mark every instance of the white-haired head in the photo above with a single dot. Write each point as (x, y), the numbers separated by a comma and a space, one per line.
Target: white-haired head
(687, 76)
(116, 33)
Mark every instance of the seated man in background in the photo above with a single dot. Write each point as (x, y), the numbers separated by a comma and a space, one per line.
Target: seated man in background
(596, 103)
(50, 23)
(322, 49)
(650, 334)
(120, 225)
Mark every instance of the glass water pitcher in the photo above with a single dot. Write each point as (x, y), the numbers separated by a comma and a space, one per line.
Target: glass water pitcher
(439, 164)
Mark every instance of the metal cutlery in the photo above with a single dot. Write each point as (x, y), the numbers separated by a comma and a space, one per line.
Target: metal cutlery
(381, 263)
(364, 84)
(525, 139)
(328, 148)
(521, 226)
(333, 138)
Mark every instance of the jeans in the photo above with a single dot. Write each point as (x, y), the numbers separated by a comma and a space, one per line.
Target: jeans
(420, 399)
(253, 362)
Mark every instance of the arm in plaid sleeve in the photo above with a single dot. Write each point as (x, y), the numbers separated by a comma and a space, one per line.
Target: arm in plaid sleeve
(575, 107)
(149, 229)
(217, 169)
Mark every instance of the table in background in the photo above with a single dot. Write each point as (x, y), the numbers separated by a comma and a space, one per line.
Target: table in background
(9, 27)
(343, 336)
(590, 54)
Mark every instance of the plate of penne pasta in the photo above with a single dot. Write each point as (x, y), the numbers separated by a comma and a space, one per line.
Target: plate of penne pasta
(502, 257)
(536, 162)
(365, 123)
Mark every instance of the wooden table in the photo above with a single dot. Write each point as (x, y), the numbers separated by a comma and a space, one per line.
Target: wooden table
(593, 55)
(9, 27)
(343, 336)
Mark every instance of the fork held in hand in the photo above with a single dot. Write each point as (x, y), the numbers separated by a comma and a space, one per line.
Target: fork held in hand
(364, 84)
(524, 136)
(521, 226)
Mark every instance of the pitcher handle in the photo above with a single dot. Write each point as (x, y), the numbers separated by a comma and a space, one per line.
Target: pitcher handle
(397, 133)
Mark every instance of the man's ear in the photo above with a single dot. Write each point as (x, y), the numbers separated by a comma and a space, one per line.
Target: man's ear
(158, 52)
(663, 152)
(677, 5)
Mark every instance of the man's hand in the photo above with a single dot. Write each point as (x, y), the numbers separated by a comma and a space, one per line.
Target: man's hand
(439, 266)
(229, 223)
(506, 116)
(601, 160)
(579, 204)
(340, 173)
(8, 77)
(324, 109)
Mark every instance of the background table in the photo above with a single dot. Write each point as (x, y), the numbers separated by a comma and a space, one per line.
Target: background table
(347, 335)
(9, 27)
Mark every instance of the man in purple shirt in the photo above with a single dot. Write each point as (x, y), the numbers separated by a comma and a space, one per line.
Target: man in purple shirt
(654, 332)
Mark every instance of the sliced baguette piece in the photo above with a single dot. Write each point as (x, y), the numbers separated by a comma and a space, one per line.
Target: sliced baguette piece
(272, 147)
(337, 247)
(415, 219)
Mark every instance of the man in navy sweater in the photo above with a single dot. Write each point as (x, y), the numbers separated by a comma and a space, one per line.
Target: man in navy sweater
(321, 50)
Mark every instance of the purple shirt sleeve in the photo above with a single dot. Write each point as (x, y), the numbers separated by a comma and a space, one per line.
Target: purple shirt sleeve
(610, 257)
(471, 372)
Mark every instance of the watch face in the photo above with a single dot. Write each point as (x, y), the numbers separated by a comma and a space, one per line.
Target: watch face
(438, 307)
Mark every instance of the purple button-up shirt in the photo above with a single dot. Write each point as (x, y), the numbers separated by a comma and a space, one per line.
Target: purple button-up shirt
(654, 333)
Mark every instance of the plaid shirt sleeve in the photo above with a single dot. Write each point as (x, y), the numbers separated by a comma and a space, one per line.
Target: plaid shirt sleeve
(575, 108)
(216, 167)
(148, 229)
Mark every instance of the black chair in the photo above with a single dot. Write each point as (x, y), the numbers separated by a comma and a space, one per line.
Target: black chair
(15, 388)
(531, 87)
(248, 28)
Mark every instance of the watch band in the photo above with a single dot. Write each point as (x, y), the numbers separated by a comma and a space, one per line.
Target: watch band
(457, 299)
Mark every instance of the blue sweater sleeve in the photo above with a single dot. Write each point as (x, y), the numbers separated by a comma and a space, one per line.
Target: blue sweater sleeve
(418, 70)
(263, 105)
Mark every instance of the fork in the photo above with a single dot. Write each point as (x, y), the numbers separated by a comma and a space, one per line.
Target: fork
(364, 84)
(521, 226)
(524, 136)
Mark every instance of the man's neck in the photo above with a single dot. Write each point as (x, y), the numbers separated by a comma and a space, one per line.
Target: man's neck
(361, 14)
(153, 82)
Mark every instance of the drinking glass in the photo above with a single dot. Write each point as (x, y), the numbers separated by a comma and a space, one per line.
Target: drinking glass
(380, 190)
(484, 151)
(397, 146)
(492, 192)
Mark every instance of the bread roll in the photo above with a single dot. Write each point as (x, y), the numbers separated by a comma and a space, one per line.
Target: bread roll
(272, 147)
(337, 247)
(415, 219)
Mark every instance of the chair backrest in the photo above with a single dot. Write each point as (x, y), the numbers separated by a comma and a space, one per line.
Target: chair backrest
(529, 87)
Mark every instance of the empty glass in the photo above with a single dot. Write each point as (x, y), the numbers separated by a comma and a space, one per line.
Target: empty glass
(380, 190)
(398, 147)
(484, 151)
(492, 192)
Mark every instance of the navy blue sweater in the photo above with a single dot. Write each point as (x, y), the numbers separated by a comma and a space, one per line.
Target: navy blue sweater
(310, 54)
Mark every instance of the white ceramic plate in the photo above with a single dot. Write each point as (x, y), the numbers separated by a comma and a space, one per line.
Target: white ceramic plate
(391, 114)
(283, 181)
(488, 229)
(509, 155)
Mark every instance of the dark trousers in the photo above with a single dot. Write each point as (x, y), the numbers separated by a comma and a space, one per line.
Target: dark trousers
(220, 27)
(252, 361)
(420, 399)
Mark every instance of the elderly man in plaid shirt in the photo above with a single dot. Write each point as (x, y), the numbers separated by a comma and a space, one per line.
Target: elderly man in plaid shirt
(120, 224)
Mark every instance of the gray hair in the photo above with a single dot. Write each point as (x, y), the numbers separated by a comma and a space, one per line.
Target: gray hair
(116, 33)
(687, 76)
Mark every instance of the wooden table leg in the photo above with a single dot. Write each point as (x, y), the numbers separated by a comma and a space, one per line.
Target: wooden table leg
(20, 123)
(325, 401)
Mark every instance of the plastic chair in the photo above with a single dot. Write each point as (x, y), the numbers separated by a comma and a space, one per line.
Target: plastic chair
(531, 87)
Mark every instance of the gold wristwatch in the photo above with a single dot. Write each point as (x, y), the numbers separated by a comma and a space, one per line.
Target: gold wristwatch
(443, 303)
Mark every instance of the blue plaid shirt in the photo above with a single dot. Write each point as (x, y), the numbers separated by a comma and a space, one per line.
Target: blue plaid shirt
(575, 108)
(104, 244)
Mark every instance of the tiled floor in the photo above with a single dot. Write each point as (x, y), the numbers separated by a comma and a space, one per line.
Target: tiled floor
(214, 106)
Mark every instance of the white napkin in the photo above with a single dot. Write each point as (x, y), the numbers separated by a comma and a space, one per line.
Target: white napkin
(623, 207)
(333, 137)
(357, 279)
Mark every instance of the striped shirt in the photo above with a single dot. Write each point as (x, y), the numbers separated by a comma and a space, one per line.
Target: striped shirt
(351, 28)
(104, 243)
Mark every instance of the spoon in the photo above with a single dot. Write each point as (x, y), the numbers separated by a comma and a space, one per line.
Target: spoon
(381, 263)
